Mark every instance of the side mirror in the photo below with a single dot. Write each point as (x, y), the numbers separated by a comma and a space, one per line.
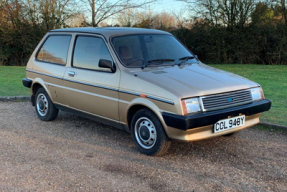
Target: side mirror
(107, 64)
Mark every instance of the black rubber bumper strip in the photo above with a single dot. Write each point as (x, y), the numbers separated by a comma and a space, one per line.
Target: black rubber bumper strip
(27, 82)
(211, 117)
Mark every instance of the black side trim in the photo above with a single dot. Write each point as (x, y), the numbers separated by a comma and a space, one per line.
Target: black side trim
(92, 85)
(27, 82)
(211, 117)
(85, 115)
(149, 97)
(161, 100)
(44, 74)
(131, 93)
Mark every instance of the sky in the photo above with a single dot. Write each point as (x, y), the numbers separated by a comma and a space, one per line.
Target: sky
(168, 6)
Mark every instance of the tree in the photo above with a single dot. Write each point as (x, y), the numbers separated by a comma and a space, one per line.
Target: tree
(181, 21)
(11, 13)
(163, 21)
(230, 13)
(126, 18)
(103, 9)
(54, 12)
(262, 14)
(280, 10)
(76, 20)
(16, 43)
(24, 22)
(143, 19)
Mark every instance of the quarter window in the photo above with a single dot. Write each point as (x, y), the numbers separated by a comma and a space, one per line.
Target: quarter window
(88, 51)
(55, 49)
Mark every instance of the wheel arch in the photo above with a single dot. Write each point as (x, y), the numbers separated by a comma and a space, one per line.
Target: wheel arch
(139, 104)
(37, 84)
(35, 87)
(131, 111)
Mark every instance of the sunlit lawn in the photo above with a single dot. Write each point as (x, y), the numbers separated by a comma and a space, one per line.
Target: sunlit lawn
(273, 79)
(11, 81)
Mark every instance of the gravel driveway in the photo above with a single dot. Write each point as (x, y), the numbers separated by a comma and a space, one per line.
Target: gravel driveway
(76, 154)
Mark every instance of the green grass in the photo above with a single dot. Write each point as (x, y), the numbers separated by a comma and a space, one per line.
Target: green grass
(273, 80)
(11, 81)
(270, 129)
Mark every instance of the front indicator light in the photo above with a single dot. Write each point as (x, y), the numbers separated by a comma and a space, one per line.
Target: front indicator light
(257, 94)
(190, 106)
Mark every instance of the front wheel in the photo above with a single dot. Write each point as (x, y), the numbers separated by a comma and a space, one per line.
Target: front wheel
(45, 109)
(148, 133)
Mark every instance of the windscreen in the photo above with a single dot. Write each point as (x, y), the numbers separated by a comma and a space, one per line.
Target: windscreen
(139, 50)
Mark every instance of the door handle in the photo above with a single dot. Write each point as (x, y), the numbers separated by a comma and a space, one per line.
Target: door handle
(71, 73)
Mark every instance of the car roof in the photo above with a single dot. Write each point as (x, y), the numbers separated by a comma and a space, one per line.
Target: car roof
(111, 31)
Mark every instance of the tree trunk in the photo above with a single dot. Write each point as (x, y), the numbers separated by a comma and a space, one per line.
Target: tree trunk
(93, 13)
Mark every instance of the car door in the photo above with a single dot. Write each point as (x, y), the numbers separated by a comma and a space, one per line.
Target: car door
(90, 88)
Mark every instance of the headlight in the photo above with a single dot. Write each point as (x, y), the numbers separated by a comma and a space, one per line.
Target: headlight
(257, 94)
(190, 105)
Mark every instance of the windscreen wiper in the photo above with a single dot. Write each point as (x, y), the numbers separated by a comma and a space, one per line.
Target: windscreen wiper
(157, 61)
(185, 59)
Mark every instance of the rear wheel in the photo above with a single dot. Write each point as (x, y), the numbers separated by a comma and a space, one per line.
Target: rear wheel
(148, 133)
(45, 109)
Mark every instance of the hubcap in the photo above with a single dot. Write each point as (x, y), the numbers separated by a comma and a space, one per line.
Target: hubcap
(42, 104)
(145, 133)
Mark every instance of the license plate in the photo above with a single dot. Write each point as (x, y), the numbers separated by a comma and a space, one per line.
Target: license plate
(229, 123)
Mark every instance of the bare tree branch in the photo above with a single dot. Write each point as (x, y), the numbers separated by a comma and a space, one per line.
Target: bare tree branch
(103, 9)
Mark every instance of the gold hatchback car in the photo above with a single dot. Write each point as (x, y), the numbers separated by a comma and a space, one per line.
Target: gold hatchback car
(141, 80)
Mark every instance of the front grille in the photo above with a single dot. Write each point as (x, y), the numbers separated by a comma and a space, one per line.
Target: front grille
(225, 100)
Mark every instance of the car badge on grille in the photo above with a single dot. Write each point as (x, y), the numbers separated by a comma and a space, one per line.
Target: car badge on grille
(230, 99)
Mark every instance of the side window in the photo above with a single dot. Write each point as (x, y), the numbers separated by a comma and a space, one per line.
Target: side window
(88, 51)
(55, 49)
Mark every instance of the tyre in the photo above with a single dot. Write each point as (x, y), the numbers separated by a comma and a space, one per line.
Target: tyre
(148, 133)
(45, 109)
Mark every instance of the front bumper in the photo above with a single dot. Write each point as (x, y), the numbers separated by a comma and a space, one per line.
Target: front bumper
(27, 82)
(211, 117)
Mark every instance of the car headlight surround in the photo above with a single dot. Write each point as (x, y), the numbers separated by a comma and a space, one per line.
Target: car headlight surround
(191, 105)
(257, 94)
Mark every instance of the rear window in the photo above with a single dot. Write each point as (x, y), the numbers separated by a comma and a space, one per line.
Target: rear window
(55, 49)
